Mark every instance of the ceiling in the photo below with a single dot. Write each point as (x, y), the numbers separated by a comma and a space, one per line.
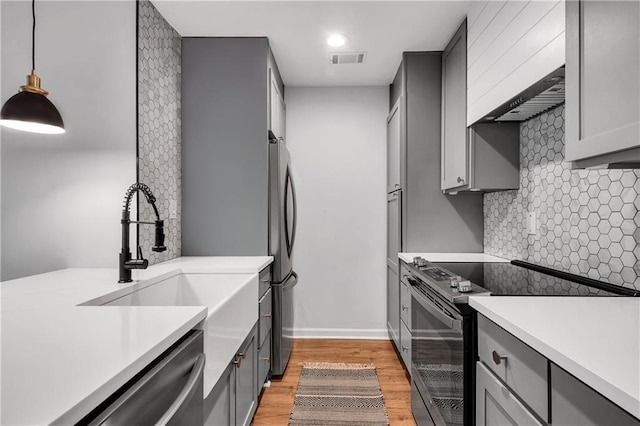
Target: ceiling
(297, 31)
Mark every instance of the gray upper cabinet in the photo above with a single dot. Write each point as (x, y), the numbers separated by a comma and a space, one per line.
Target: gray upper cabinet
(483, 157)
(454, 111)
(603, 83)
(394, 147)
(277, 108)
(225, 148)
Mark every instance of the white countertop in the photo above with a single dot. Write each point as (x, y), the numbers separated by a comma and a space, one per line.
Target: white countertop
(597, 339)
(451, 257)
(60, 360)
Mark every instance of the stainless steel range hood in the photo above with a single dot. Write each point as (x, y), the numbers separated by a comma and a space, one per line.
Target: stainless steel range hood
(540, 97)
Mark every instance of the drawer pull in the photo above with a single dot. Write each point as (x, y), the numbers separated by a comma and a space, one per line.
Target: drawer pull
(267, 315)
(497, 358)
(266, 359)
(405, 308)
(243, 354)
(237, 362)
(405, 349)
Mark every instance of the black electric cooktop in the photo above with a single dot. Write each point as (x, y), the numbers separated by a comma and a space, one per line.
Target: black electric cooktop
(524, 279)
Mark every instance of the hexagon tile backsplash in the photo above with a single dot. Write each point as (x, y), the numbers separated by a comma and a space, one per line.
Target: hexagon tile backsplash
(159, 126)
(588, 220)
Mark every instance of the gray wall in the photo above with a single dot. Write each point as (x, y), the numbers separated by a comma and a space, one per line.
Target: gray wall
(62, 194)
(225, 156)
(159, 127)
(337, 140)
(587, 219)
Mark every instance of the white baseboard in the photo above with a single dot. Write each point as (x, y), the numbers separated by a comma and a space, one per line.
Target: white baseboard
(341, 333)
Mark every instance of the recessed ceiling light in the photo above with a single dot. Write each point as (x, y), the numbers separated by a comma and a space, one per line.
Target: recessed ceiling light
(337, 40)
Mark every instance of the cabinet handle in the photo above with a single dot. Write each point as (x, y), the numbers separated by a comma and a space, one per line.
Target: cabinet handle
(266, 359)
(460, 180)
(497, 358)
(237, 362)
(243, 354)
(405, 349)
(267, 315)
(405, 308)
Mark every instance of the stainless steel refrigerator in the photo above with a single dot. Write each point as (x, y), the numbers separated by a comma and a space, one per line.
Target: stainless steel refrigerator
(282, 234)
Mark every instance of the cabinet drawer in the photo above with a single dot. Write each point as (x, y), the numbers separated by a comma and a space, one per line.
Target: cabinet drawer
(264, 362)
(522, 369)
(497, 405)
(405, 304)
(405, 345)
(264, 326)
(264, 281)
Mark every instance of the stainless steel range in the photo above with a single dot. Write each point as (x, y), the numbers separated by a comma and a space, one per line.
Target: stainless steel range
(443, 341)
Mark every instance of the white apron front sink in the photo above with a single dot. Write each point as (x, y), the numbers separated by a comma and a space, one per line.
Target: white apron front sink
(231, 301)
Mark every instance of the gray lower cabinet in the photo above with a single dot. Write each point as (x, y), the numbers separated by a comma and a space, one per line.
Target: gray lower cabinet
(393, 305)
(496, 405)
(234, 399)
(602, 83)
(405, 345)
(264, 339)
(515, 385)
(394, 205)
(574, 403)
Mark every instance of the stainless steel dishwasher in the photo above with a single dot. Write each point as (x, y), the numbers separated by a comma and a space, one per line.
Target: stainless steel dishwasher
(167, 392)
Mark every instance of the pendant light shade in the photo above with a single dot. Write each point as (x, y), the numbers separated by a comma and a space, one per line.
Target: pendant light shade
(29, 110)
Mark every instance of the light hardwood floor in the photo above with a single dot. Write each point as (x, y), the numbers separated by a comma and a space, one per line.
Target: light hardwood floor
(277, 401)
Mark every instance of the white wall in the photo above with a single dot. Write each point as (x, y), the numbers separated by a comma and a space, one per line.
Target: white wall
(62, 194)
(337, 140)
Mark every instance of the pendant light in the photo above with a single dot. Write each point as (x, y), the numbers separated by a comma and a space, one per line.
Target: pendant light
(29, 110)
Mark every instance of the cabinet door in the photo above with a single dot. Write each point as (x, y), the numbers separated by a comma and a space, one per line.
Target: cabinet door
(394, 146)
(405, 345)
(454, 155)
(247, 380)
(393, 305)
(496, 405)
(574, 403)
(602, 80)
(219, 406)
(275, 106)
(264, 362)
(394, 226)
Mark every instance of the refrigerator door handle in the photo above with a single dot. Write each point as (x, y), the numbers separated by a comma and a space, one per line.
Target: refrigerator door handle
(290, 239)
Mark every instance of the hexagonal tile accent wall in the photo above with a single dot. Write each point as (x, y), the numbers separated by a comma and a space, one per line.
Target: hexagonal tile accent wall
(159, 127)
(588, 220)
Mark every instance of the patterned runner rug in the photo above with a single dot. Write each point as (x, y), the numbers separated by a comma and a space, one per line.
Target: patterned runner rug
(338, 394)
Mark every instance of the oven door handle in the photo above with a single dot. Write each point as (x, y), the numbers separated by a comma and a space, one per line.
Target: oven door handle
(450, 322)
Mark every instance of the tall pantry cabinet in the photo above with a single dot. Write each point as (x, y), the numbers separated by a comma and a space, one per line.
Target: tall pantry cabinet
(420, 218)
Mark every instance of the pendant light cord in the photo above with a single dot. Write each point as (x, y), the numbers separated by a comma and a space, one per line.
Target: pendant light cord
(33, 35)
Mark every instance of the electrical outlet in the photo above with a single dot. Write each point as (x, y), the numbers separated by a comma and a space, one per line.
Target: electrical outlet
(532, 223)
(173, 209)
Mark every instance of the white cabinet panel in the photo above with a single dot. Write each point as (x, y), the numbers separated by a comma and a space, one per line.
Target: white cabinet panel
(518, 47)
(495, 33)
(485, 20)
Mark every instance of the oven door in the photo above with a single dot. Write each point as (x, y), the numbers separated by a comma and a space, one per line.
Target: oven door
(437, 356)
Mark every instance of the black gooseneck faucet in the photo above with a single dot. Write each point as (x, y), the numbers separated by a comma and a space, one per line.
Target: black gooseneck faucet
(126, 263)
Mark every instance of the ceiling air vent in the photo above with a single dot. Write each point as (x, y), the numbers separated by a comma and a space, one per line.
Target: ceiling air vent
(347, 58)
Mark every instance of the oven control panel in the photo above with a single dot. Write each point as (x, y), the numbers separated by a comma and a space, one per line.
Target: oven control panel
(436, 273)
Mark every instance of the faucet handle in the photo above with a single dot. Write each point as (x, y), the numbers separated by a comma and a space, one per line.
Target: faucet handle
(159, 244)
